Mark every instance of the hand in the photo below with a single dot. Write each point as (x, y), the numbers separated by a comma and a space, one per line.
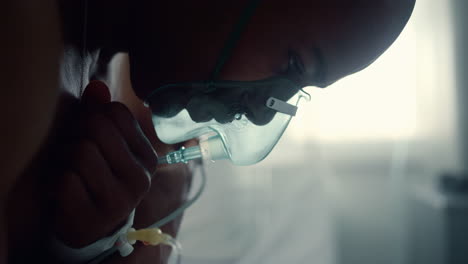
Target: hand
(110, 169)
(169, 190)
(167, 193)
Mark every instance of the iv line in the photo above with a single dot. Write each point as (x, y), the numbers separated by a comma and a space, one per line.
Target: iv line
(187, 204)
(212, 148)
(182, 155)
(165, 220)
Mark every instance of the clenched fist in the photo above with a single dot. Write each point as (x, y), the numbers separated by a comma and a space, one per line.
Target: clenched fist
(110, 169)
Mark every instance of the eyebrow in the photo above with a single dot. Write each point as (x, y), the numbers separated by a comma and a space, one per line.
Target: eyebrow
(320, 76)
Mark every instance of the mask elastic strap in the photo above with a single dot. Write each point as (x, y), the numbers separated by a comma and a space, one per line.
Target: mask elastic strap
(281, 106)
(234, 37)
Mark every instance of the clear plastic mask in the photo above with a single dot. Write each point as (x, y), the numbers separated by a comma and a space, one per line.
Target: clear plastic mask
(239, 140)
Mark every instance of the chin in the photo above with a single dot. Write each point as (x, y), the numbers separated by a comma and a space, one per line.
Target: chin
(261, 119)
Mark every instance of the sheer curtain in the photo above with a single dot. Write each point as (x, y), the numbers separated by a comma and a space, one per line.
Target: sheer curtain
(332, 190)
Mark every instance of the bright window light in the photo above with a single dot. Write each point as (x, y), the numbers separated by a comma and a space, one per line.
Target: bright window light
(407, 94)
(377, 103)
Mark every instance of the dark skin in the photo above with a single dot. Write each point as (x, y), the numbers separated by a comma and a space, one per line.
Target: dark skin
(174, 180)
(28, 75)
(85, 205)
(332, 39)
(159, 53)
(96, 165)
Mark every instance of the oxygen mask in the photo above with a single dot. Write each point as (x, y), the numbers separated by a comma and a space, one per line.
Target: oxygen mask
(252, 127)
(245, 140)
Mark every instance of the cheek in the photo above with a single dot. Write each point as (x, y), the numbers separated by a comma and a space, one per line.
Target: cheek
(140, 77)
(154, 68)
(253, 66)
(257, 56)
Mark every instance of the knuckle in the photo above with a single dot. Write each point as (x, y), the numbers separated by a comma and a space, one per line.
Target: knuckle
(71, 198)
(150, 161)
(86, 147)
(139, 184)
(119, 109)
(96, 120)
(84, 155)
(118, 208)
(95, 124)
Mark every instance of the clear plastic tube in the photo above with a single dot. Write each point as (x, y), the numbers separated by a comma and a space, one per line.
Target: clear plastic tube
(176, 256)
(182, 155)
(212, 148)
(173, 243)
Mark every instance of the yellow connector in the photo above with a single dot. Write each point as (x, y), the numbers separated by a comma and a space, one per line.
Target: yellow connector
(151, 236)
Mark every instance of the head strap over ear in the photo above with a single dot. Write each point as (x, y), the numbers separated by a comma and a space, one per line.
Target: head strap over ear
(234, 37)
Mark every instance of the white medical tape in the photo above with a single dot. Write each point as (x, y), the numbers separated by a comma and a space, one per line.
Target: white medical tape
(281, 106)
(67, 254)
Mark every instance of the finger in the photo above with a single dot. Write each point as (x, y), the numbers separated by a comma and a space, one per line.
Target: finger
(96, 93)
(75, 210)
(73, 196)
(126, 168)
(133, 135)
(169, 194)
(105, 190)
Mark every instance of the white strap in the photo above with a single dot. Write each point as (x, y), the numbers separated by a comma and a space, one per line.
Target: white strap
(67, 254)
(281, 106)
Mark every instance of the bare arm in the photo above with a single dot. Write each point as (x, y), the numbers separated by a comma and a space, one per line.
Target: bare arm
(30, 47)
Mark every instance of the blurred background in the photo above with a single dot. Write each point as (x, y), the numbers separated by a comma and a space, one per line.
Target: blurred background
(370, 171)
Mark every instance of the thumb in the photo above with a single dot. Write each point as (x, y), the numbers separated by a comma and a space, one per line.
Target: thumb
(95, 94)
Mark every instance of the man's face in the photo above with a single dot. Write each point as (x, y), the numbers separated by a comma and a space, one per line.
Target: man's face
(313, 43)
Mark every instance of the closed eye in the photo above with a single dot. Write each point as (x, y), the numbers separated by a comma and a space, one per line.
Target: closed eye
(295, 71)
(311, 74)
(295, 64)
